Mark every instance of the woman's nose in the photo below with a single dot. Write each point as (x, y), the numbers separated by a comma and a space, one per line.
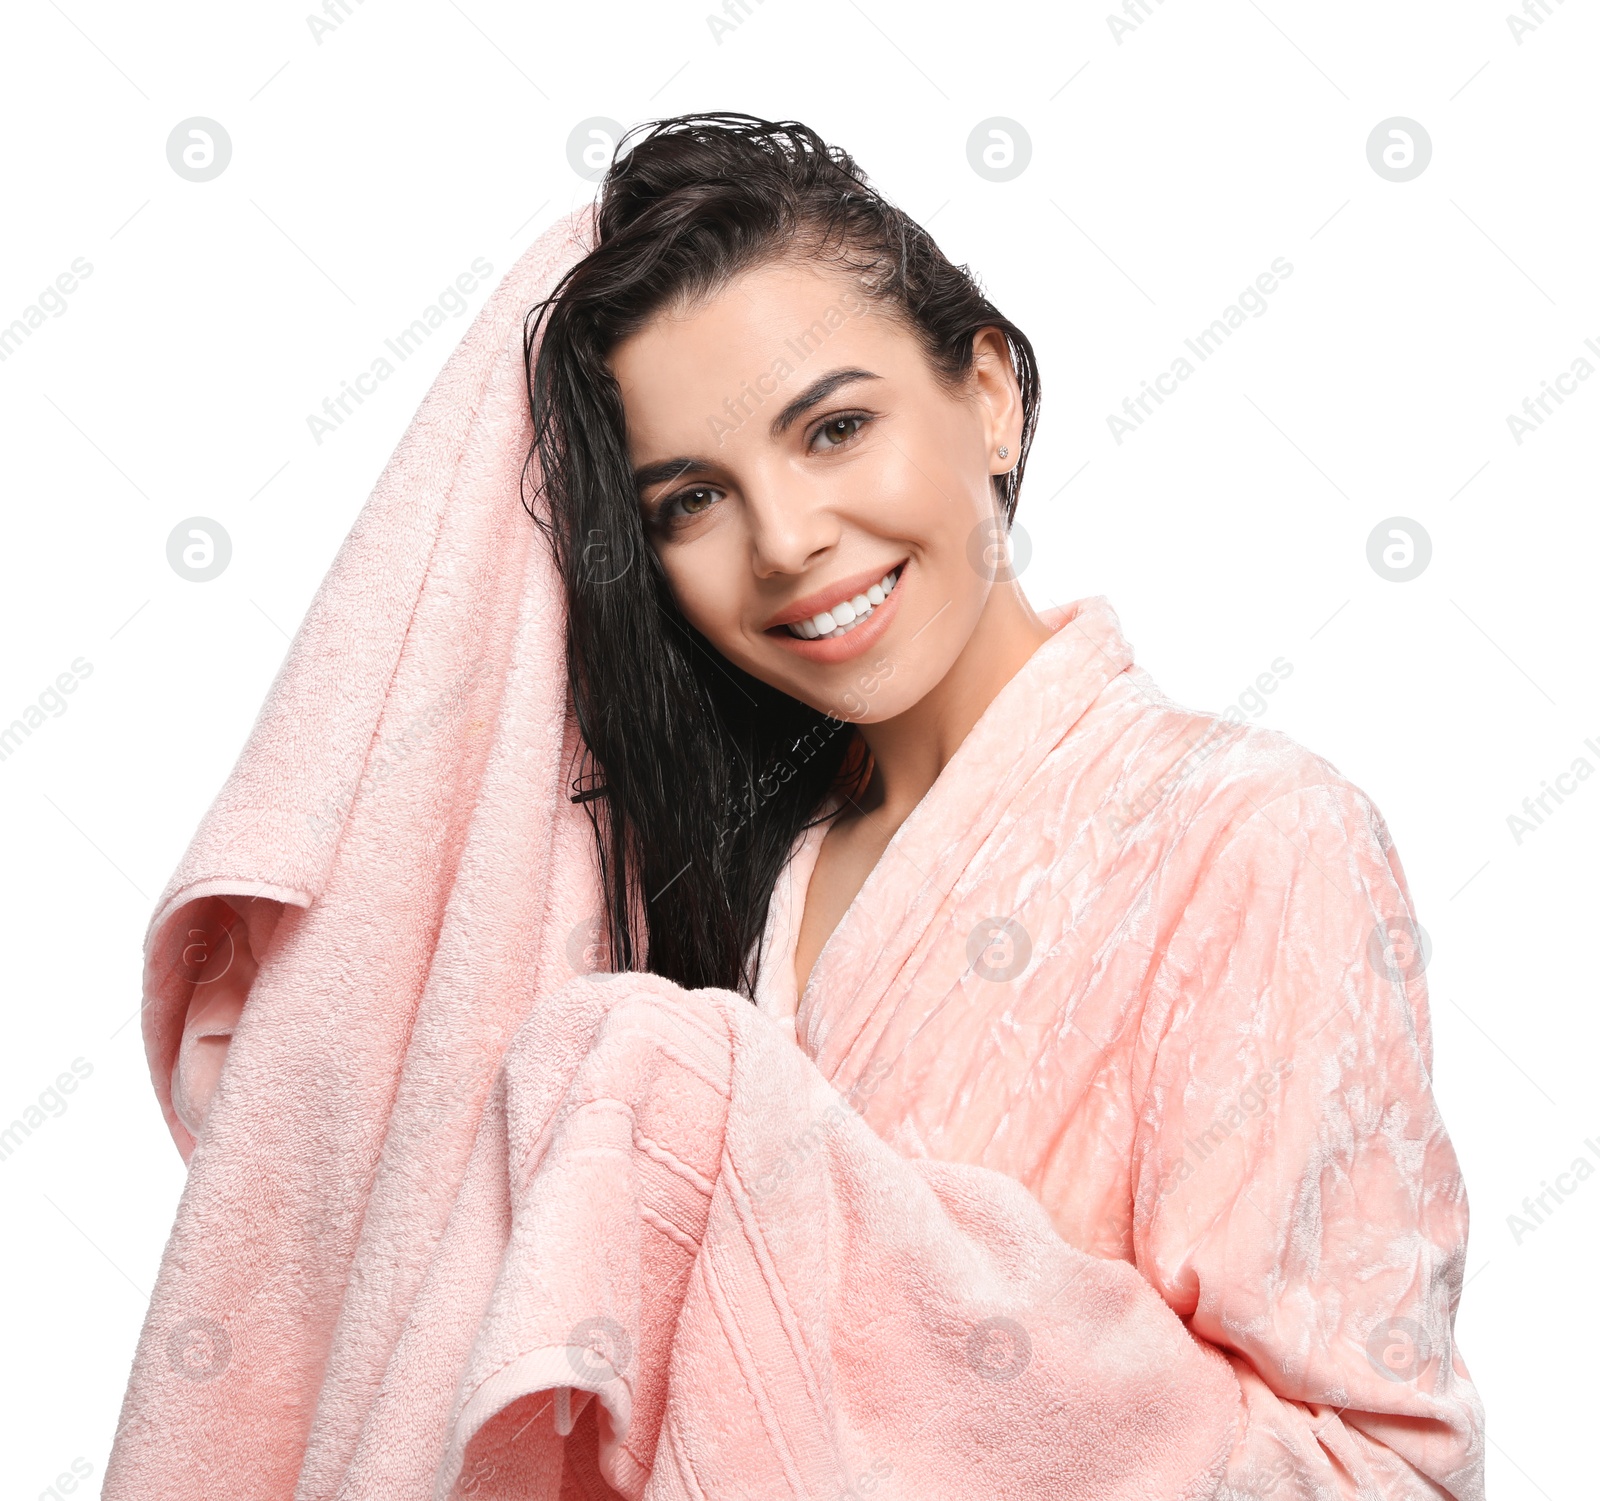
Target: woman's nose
(790, 524)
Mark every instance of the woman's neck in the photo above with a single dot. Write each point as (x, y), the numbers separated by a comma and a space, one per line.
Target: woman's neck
(910, 750)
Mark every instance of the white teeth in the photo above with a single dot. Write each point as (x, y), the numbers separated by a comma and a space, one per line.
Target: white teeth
(847, 614)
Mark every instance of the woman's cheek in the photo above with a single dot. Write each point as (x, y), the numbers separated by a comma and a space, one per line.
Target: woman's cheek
(708, 610)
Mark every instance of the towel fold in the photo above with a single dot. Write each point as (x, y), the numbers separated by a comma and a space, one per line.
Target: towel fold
(762, 1298)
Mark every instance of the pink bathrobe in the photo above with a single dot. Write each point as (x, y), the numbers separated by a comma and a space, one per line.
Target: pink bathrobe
(1198, 1034)
(1147, 1195)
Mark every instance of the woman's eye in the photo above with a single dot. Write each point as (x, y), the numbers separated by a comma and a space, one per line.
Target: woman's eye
(674, 510)
(837, 431)
(695, 501)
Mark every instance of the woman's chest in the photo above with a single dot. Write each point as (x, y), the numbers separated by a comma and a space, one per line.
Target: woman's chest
(1011, 1040)
(1045, 1089)
(847, 856)
(994, 995)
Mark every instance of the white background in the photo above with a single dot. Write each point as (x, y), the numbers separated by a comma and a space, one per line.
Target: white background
(1168, 170)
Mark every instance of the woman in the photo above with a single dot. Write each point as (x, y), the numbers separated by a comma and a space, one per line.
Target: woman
(783, 440)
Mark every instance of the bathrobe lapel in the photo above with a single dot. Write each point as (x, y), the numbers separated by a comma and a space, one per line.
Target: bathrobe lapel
(928, 908)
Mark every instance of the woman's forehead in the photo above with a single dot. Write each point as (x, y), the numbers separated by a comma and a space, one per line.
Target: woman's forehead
(771, 331)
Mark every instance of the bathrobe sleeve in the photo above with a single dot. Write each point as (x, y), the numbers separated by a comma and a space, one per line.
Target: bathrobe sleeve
(1297, 1200)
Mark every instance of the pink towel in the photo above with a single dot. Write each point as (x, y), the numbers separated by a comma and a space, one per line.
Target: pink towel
(767, 1300)
(1147, 1194)
(403, 794)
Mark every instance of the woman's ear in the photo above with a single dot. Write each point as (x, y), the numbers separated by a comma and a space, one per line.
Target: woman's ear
(994, 380)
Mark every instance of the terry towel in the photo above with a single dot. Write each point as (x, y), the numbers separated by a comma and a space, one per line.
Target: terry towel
(764, 1299)
(403, 796)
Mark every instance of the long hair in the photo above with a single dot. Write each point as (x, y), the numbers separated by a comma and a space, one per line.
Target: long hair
(698, 777)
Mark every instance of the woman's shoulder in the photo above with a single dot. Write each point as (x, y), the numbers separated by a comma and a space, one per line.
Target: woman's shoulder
(1218, 773)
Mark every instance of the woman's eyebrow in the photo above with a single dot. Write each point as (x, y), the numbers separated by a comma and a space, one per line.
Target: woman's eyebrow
(819, 390)
(668, 469)
(650, 475)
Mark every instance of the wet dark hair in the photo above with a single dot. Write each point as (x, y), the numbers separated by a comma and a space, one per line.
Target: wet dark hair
(697, 776)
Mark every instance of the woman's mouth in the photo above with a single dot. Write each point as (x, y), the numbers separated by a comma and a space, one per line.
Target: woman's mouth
(846, 616)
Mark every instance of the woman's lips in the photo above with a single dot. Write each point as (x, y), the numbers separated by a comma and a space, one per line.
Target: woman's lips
(857, 639)
(849, 614)
(809, 606)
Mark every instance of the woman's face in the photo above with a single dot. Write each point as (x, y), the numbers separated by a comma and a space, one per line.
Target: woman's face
(793, 451)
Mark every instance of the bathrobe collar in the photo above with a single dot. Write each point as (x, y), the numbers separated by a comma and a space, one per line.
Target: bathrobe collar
(1024, 722)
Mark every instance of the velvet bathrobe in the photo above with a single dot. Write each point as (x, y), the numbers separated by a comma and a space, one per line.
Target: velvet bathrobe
(1098, 1158)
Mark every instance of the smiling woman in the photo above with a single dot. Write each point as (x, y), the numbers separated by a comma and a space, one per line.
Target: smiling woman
(904, 405)
(840, 528)
(779, 435)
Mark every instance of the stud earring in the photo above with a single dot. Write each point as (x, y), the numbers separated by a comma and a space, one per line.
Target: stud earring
(1004, 452)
